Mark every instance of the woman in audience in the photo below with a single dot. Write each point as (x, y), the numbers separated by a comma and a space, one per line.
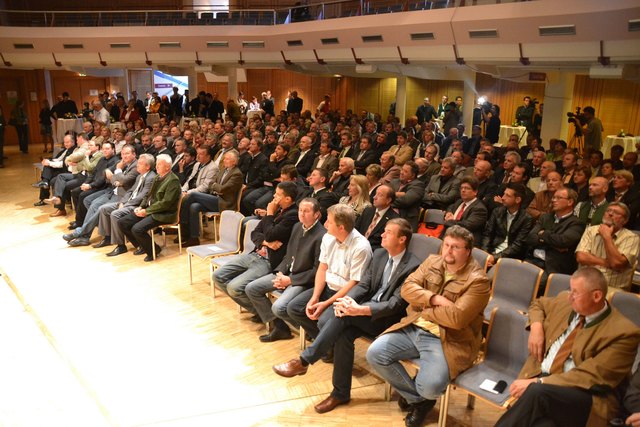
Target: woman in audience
(374, 174)
(131, 114)
(358, 197)
(165, 107)
(607, 170)
(254, 105)
(581, 182)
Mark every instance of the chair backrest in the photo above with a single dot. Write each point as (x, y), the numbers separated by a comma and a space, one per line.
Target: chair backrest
(230, 228)
(481, 258)
(515, 283)
(177, 220)
(628, 304)
(423, 246)
(247, 243)
(556, 283)
(435, 216)
(507, 339)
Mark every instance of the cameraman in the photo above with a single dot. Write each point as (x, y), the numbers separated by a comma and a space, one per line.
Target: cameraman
(524, 114)
(491, 117)
(592, 129)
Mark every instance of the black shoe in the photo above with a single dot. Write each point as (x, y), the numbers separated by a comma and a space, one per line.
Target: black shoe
(40, 184)
(276, 334)
(69, 237)
(148, 258)
(418, 413)
(39, 203)
(328, 357)
(80, 241)
(106, 241)
(403, 404)
(72, 225)
(255, 319)
(191, 242)
(139, 251)
(118, 250)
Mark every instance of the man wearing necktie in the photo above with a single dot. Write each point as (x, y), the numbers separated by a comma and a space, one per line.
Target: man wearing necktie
(581, 350)
(368, 309)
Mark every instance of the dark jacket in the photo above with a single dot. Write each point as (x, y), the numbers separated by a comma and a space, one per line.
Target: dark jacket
(391, 305)
(559, 242)
(496, 231)
(324, 197)
(440, 198)
(255, 175)
(474, 218)
(409, 204)
(304, 167)
(364, 220)
(98, 180)
(304, 249)
(275, 227)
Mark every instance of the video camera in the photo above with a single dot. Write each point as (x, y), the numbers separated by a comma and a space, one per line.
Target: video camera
(578, 119)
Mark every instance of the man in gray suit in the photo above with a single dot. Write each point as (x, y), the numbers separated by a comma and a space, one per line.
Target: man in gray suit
(443, 189)
(368, 309)
(109, 214)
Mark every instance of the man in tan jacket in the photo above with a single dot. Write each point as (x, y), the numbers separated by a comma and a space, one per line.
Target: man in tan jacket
(447, 295)
(581, 349)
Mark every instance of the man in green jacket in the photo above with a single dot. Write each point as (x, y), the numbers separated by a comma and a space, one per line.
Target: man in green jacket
(159, 207)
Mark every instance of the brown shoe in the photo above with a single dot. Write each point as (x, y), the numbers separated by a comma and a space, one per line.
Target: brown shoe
(329, 404)
(290, 369)
(58, 212)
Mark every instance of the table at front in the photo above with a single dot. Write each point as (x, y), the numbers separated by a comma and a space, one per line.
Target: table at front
(506, 131)
(152, 118)
(627, 142)
(65, 125)
(200, 121)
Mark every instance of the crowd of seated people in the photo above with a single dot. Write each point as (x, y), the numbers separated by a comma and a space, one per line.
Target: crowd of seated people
(338, 197)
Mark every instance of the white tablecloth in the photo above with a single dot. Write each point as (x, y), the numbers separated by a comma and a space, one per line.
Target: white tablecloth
(506, 131)
(183, 120)
(65, 125)
(250, 114)
(117, 125)
(628, 143)
(152, 118)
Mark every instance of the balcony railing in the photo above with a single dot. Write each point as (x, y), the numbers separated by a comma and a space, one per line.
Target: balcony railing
(213, 15)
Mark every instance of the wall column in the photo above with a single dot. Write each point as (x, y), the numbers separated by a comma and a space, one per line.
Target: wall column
(401, 98)
(468, 102)
(232, 91)
(558, 95)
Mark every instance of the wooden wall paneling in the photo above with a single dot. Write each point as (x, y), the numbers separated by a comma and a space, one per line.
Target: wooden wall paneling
(368, 95)
(92, 83)
(24, 82)
(320, 87)
(418, 89)
(388, 89)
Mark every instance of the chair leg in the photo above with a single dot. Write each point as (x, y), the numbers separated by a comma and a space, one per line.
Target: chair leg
(153, 244)
(303, 339)
(180, 240)
(471, 401)
(190, 270)
(215, 228)
(213, 286)
(444, 407)
(387, 392)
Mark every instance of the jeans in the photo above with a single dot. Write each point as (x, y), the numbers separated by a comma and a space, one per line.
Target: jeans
(256, 292)
(233, 277)
(192, 205)
(92, 218)
(419, 346)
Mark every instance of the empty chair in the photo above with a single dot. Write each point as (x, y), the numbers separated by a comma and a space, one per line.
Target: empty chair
(229, 243)
(556, 283)
(515, 285)
(423, 246)
(481, 258)
(626, 303)
(247, 246)
(506, 353)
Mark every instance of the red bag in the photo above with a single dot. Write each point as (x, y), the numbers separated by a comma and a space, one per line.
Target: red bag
(431, 229)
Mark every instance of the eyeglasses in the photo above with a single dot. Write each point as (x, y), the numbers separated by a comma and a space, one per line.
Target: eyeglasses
(559, 198)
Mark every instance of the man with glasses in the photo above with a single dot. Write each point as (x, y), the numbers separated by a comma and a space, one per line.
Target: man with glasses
(580, 351)
(610, 247)
(442, 330)
(553, 240)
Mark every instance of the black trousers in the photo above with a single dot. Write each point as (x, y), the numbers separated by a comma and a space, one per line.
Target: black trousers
(136, 229)
(549, 405)
(23, 137)
(78, 197)
(340, 334)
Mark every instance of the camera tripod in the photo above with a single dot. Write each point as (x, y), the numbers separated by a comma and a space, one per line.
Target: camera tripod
(577, 143)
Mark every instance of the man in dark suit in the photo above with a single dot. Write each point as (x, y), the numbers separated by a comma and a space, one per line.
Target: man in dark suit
(368, 309)
(223, 194)
(305, 157)
(340, 178)
(270, 237)
(317, 189)
(443, 189)
(254, 178)
(409, 192)
(508, 227)
(185, 165)
(468, 212)
(553, 240)
(294, 106)
(364, 155)
(373, 219)
(159, 207)
(294, 274)
(346, 146)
